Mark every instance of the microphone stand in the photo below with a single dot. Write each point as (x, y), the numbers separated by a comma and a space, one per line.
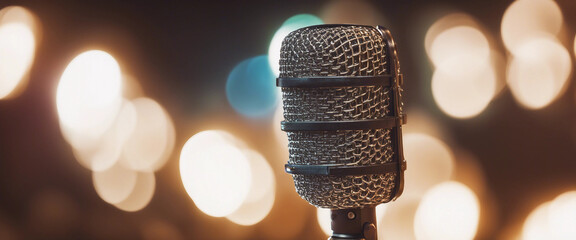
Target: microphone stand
(354, 224)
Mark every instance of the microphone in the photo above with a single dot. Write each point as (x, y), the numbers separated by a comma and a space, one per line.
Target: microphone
(341, 92)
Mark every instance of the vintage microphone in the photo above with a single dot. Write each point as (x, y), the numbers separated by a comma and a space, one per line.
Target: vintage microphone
(341, 91)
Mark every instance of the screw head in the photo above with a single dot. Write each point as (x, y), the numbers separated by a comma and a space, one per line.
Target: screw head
(351, 215)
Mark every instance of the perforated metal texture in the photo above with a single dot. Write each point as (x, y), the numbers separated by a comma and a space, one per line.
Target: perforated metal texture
(338, 51)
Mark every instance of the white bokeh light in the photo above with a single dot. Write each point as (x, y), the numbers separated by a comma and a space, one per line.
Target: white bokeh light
(463, 44)
(398, 221)
(464, 81)
(431, 162)
(260, 199)
(216, 174)
(115, 184)
(526, 18)
(152, 140)
(536, 226)
(89, 94)
(553, 219)
(538, 72)
(142, 193)
(448, 211)
(562, 216)
(102, 153)
(17, 48)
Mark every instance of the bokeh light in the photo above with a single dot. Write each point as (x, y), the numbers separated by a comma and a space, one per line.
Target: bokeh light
(324, 220)
(122, 141)
(102, 153)
(398, 221)
(89, 94)
(538, 72)
(460, 43)
(524, 19)
(215, 172)
(114, 184)
(251, 88)
(423, 123)
(280, 135)
(536, 226)
(552, 220)
(261, 196)
(464, 81)
(17, 49)
(430, 160)
(448, 21)
(463, 94)
(291, 24)
(562, 216)
(141, 194)
(152, 140)
(539, 65)
(574, 46)
(450, 210)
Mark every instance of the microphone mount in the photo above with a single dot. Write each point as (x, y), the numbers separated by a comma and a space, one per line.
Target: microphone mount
(354, 224)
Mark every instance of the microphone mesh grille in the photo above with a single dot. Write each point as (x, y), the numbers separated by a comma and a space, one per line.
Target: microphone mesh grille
(338, 51)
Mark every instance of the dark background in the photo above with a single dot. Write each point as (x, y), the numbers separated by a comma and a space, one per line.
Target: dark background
(181, 53)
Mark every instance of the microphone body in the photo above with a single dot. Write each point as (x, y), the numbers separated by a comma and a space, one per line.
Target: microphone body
(341, 93)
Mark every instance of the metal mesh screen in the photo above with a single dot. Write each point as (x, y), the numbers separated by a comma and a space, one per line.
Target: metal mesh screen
(338, 51)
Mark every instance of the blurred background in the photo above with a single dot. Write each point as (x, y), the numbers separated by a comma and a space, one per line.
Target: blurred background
(160, 119)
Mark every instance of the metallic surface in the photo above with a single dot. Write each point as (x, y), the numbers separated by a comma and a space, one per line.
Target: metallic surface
(338, 50)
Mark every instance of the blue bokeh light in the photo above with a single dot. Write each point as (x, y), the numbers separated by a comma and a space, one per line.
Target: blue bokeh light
(251, 88)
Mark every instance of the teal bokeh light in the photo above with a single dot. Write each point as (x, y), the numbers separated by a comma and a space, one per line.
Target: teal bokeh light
(251, 88)
(291, 24)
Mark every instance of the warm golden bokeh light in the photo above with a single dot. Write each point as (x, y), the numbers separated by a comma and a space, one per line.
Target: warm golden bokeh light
(424, 123)
(212, 157)
(460, 44)
(324, 221)
(464, 81)
(562, 216)
(431, 162)
(280, 135)
(89, 94)
(141, 194)
(17, 49)
(100, 154)
(123, 141)
(536, 226)
(152, 140)
(539, 65)
(463, 94)
(526, 18)
(447, 22)
(261, 196)
(450, 210)
(114, 184)
(398, 221)
(575, 45)
(538, 72)
(552, 220)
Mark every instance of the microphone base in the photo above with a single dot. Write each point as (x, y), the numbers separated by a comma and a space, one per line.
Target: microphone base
(354, 224)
